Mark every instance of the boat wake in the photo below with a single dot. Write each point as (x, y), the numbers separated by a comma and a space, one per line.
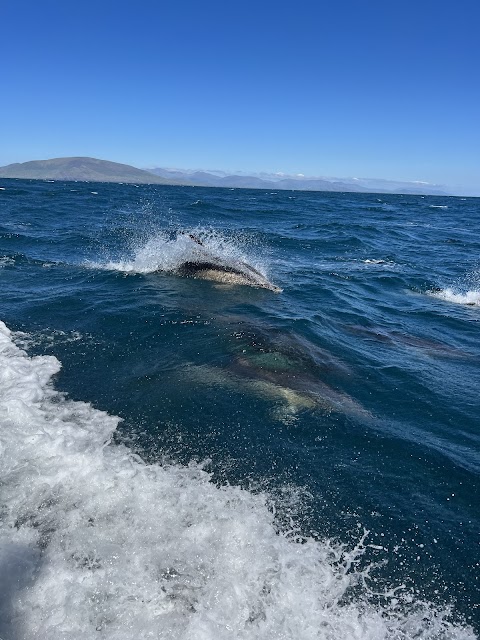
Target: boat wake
(95, 543)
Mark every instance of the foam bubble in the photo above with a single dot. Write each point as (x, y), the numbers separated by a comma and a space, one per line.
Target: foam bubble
(97, 544)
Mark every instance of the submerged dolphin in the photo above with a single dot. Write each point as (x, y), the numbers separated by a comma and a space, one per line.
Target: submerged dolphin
(284, 367)
(210, 267)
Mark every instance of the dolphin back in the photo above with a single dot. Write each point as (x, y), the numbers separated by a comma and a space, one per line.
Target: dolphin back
(237, 273)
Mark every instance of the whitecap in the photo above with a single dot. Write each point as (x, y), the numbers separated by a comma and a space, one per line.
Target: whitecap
(97, 544)
(6, 261)
(469, 298)
(380, 262)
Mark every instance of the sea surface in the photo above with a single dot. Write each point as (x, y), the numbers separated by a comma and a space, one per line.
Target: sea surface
(189, 459)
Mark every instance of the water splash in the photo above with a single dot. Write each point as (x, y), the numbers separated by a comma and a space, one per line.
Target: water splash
(465, 292)
(469, 298)
(168, 252)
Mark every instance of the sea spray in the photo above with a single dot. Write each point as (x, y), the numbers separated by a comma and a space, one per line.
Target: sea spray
(204, 254)
(465, 291)
(167, 251)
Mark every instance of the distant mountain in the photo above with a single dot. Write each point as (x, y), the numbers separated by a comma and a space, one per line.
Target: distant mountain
(89, 169)
(94, 170)
(244, 181)
(300, 182)
(297, 182)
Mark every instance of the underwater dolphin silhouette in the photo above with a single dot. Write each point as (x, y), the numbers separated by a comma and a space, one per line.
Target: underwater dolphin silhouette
(208, 266)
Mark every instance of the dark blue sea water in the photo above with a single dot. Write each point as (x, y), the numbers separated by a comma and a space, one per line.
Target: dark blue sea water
(217, 460)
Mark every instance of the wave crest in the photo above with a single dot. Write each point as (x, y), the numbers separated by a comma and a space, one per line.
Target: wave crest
(469, 298)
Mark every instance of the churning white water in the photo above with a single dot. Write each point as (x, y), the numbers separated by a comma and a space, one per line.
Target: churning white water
(97, 544)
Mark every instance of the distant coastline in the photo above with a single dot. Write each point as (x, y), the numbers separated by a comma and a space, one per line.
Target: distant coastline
(95, 170)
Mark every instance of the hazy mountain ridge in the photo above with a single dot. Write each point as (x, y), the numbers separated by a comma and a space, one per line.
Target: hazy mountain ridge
(300, 182)
(95, 170)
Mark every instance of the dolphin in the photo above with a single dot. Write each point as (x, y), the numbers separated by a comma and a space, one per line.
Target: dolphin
(398, 338)
(284, 367)
(202, 264)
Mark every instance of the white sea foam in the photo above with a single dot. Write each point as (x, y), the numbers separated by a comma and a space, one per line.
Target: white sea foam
(47, 338)
(6, 261)
(94, 543)
(379, 261)
(470, 298)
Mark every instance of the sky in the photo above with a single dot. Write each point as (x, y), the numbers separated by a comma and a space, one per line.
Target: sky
(373, 89)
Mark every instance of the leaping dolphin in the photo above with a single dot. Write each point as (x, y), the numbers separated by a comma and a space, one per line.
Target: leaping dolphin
(210, 267)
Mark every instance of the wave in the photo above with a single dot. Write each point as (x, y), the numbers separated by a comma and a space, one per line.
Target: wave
(96, 543)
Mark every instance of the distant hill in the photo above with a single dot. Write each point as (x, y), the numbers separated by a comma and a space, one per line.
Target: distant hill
(297, 182)
(89, 169)
(94, 170)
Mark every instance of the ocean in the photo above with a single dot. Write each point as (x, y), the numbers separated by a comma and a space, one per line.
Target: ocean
(187, 458)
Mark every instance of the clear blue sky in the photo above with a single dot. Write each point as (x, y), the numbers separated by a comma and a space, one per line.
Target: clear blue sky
(387, 89)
